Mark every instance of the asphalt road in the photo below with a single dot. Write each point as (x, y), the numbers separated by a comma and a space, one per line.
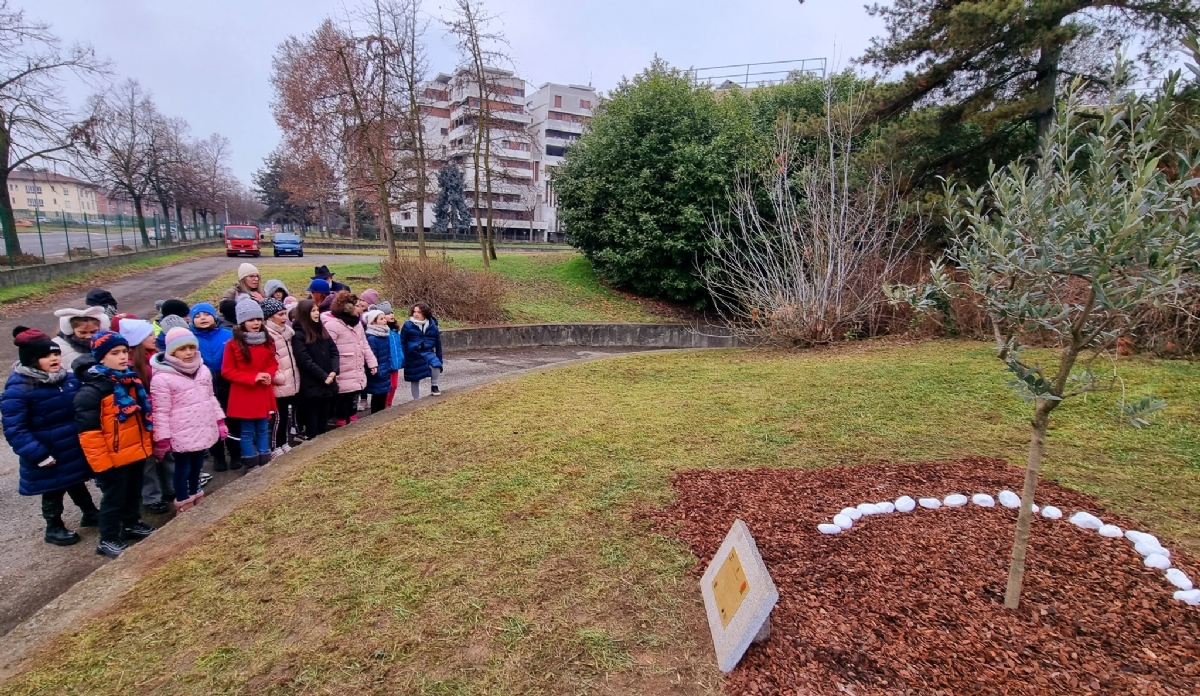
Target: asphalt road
(55, 242)
(137, 294)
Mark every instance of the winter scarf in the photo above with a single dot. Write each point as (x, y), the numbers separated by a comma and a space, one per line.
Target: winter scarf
(380, 330)
(422, 325)
(257, 338)
(127, 404)
(348, 319)
(186, 367)
(81, 345)
(39, 375)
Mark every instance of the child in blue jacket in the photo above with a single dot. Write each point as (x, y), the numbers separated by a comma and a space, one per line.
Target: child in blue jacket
(212, 338)
(379, 338)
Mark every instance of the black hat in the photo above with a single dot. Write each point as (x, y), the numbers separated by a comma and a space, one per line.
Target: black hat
(228, 310)
(322, 272)
(33, 345)
(100, 298)
(176, 308)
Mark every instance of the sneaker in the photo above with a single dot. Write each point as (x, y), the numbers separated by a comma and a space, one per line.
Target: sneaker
(287, 448)
(354, 418)
(184, 505)
(158, 508)
(341, 423)
(277, 452)
(112, 549)
(435, 391)
(205, 478)
(197, 498)
(139, 530)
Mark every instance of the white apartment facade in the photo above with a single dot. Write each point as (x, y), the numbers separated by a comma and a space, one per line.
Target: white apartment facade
(52, 194)
(529, 137)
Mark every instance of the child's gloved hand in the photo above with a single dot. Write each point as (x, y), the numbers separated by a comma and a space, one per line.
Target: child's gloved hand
(161, 447)
(222, 429)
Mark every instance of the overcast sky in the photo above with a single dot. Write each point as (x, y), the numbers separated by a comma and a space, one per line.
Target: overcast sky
(210, 61)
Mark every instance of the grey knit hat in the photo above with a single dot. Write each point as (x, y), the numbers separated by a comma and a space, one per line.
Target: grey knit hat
(385, 307)
(271, 307)
(246, 310)
(171, 321)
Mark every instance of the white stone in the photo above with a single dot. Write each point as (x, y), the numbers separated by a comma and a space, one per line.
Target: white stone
(886, 507)
(733, 634)
(930, 503)
(983, 500)
(1135, 536)
(843, 521)
(1157, 560)
(1146, 547)
(1179, 579)
(868, 509)
(1035, 508)
(1052, 513)
(905, 504)
(1191, 597)
(1009, 499)
(853, 513)
(826, 528)
(955, 500)
(1110, 531)
(1086, 520)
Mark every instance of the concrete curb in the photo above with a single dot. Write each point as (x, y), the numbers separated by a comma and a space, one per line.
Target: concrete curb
(61, 269)
(99, 591)
(595, 335)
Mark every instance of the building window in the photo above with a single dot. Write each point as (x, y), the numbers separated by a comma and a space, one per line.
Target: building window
(585, 104)
(30, 188)
(558, 101)
(445, 131)
(35, 202)
(556, 150)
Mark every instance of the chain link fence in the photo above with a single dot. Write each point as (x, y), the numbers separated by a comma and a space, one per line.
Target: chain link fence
(47, 237)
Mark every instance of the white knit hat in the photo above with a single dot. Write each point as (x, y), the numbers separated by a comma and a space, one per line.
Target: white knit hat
(370, 317)
(135, 330)
(247, 269)
(66, 315)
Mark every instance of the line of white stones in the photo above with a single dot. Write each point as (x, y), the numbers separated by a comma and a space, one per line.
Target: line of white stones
(1147, 545)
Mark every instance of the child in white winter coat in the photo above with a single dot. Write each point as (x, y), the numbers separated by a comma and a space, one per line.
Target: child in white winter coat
(188, 419)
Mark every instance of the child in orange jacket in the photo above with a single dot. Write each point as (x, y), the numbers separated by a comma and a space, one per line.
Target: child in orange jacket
(114, 420)
(250, 366)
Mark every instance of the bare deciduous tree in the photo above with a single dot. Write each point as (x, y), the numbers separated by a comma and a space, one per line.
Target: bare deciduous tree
(811, 269)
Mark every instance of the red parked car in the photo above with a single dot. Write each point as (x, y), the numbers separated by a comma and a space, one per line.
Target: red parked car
(242, 239)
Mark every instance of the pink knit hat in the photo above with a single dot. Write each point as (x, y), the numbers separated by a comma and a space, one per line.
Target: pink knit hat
(180, 337)
(370, 296)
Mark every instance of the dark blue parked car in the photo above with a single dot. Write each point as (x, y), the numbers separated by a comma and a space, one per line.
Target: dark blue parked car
(287, 244)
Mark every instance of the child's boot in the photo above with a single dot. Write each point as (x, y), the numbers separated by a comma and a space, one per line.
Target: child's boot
(58, 534)
(184, 505)
(248, 462)
(265, 458)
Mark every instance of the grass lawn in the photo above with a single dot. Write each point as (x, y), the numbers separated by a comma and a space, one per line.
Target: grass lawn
(491, 544)
(542, 287)
(36, 291)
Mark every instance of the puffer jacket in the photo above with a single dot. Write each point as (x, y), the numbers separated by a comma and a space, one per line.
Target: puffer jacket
(246, 398)
(396, 346)
(316, 361)
(185, 409)
(353, 351)
(212, 346)
(381, 381)
(287, 379)
(39, 422)
(107, 443)
(422, 350)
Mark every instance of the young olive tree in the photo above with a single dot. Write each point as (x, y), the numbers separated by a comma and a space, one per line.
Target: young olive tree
(1105, 223)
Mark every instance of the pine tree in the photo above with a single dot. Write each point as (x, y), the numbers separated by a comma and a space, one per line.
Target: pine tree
(450, 212)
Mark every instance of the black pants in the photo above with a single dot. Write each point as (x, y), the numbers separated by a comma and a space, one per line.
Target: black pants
(346, 406)
(52, 502)
(286, 406)
(313, 415)
(218, 451)
(378, 402)
(121, 499)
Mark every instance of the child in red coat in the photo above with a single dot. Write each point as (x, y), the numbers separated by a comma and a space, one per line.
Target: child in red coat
(250, 366)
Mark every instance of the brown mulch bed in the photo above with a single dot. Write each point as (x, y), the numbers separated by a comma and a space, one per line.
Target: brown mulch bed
(913, 603)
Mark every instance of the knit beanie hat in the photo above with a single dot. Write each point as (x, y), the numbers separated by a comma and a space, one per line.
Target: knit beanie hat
(98, 297)
(271, 307)
(248, 309)
(172, 321)
(33, 345)
(178, 338)
(371, 315)
(370, 295)
(177, 308)
(229, 310)
(319, 285)
(136, 330)
(105, 341)
(202, 307)
(247, 269)
(385, 307)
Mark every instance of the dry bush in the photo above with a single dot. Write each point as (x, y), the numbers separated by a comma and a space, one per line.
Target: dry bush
(452, 293)
(22, 260)
(1172, 329)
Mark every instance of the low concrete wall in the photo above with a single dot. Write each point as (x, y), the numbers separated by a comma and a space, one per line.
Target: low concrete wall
(599, 335)
(51, 271)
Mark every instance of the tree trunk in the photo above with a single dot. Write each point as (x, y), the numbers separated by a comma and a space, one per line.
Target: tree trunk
(141, 219)
(1047, 89)
(420, 207)
(8, 220)
(166, 208)
(1033, 468)
(179, 221)
(353, 210)
(487, 262)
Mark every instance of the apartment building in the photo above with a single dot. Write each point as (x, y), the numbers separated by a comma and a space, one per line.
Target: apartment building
(529, 134)
(53, 194)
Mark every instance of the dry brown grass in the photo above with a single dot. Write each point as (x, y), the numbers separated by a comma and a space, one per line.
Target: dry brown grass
(452, 293)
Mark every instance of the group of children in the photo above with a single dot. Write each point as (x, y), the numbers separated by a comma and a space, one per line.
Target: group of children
(137, 405)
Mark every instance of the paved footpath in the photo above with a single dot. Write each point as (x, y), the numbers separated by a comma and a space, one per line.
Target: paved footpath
(33, 572)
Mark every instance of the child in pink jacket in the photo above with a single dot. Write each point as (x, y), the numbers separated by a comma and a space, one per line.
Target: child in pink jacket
(187, 416)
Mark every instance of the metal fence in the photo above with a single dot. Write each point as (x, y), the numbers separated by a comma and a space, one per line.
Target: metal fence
(55, 236)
